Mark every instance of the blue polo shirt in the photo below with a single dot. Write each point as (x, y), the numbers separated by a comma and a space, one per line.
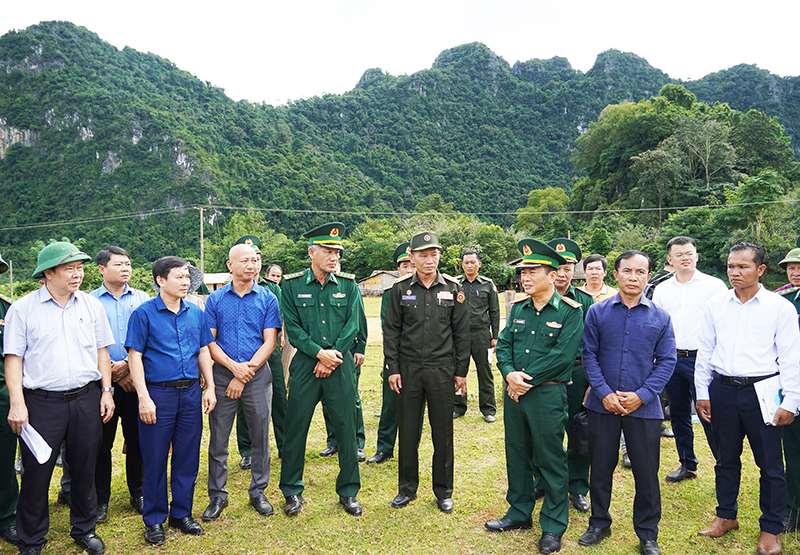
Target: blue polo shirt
(628, 349)
(240, 321)
(119, 313)
(170, 343)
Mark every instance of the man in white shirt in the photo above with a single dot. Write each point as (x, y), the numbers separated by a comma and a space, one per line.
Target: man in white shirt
(747, 335)
(684, 296)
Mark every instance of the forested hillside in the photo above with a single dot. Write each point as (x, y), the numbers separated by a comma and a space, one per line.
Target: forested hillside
(89, 131)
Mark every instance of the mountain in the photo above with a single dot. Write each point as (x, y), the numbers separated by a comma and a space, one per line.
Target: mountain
(89, 131)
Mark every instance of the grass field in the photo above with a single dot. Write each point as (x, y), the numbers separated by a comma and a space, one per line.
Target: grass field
(480, 488)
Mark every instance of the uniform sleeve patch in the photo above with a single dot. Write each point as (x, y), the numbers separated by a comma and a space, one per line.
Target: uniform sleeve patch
(571, 302)
(460, 297)
(295, 275)
(346, 276)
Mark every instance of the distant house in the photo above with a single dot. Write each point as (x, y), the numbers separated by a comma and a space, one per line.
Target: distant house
(215, 281)
(374, 285)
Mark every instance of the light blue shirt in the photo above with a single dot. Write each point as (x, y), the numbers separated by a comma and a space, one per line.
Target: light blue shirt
(119, 312)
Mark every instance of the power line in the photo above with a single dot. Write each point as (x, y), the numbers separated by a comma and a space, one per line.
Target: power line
(142, 215)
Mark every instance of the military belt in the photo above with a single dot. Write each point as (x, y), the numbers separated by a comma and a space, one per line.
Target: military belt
(742, 381)
(178, 384)
(65, 395)
(686, 353)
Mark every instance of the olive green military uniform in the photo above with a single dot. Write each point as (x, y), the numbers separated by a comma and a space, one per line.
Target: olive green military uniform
(578, 466)
(278, 393)
(360, 348)
(320, 316)
(9, 489)
(484, 325)
(426, 341)
(791, 439)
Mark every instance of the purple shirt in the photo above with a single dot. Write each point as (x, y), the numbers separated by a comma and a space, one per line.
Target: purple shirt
(628, 349)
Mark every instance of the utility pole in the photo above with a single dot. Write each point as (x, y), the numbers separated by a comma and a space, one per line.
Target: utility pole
(11, 277)
(202, 249)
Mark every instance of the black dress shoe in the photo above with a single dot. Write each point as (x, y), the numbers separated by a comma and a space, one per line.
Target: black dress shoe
(92, 544)
(246, 463)
(445, 505)
(379, 457)
(64, 498)
(102, 513)
(505, 524)
(262, 505)
(789, 525)
(626, 460)
(457, 415)
(329, 450)
(351, 505)
(680, 474)
(154, 535)
(550, 543)
(649, 547)
(187, 525)
(593, 536)
(214, 509)
(138, 504)
(580, 503)
(538, 493)
(361, 455)
(31, 550)
(293, 504)
(10, 535)
(402, 500)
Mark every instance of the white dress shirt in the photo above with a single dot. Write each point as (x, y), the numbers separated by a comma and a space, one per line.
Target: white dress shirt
(756, 338)
(686, 303)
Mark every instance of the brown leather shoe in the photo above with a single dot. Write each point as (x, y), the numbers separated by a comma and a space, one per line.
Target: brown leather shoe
(769, 544)
(719, 527)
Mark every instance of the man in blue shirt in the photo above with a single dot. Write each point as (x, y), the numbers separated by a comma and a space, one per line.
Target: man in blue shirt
(629, 355)
(119, 302)
(244, 319)
(165, 374)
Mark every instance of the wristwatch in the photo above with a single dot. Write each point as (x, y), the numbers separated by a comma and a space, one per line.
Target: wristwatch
(109, 389)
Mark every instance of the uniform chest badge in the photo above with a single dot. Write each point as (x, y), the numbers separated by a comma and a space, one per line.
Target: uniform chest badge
(339, 295)
(553, 325)
(446, 295)
(460, 297)
(304, 295)
(408, 292)
(519, 321)
(409, 297)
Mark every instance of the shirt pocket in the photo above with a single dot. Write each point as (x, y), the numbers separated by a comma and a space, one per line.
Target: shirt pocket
(409, 308)
(338, 309)
(444, 310)
(548, 335)
(304, 304)
(480, 300)
(651, 333)
(86, 334)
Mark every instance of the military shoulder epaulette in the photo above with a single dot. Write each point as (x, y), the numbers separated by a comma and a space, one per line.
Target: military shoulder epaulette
(346, 276)
(788, 291)
(515, 301)
(294, 275)
(571, 302)
(401, 278)
(6, 299)
(451, 278)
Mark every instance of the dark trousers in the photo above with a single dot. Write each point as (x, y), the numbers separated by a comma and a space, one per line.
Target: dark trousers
(179, 422)
(278, 416)
(682, 397)
(305, 392)
(79, 424)
(480, 343)
(434, 386)
(534, 431)
(643, 436)
(387, 426)
(736, 413)
(791, 454)
(9, 488)
(361, 438)
(126, 407)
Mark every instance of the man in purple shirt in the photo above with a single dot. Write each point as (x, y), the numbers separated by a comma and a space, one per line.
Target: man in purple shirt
(629, 355)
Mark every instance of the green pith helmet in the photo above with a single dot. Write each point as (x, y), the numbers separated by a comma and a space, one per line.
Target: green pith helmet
(56, 254)
(250, 240)
(536, 253)
(401, 253)
(424, 240)
(3, 265)
(567, 248)
(792, 256)
(327, 235)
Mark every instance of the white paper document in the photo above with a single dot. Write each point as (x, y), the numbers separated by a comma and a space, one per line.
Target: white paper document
(770, 396)
(36, 443)
(490, 352)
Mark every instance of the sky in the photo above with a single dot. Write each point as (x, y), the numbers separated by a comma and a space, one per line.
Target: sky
(276, 52)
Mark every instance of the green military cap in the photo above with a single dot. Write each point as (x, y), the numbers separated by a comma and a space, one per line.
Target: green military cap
(3, 265)
(567, 248)
(792, 256)
(56, 254)
(401, 253)
(328, 235)
(797, 243)
(536, 253)
(424, 240)
(250, 241)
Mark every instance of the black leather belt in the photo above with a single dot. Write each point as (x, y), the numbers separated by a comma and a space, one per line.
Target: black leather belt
(685, 353)
(739, 380)
(578, 361)
(179, 384)
(65, 395)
